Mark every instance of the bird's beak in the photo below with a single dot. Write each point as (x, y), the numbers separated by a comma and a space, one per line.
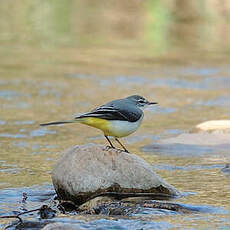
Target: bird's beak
(152, 103)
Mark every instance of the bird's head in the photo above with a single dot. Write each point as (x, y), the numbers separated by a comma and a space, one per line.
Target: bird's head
(140, 101)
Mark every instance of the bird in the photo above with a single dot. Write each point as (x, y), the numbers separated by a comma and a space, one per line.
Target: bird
(118, 118)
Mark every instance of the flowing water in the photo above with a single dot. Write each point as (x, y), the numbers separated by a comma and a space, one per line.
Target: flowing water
(61, 59)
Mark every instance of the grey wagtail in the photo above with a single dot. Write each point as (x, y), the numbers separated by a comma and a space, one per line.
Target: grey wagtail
(118, 118)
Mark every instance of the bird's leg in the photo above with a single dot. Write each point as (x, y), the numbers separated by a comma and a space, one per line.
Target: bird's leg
(121, 145)
(111, 145)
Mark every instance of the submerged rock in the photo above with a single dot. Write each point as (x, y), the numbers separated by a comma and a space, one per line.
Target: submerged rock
(201, 138)
(127, 207)
(88, 171)
(95, 202)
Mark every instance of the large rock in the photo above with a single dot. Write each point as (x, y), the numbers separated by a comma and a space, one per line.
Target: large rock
(90, 170)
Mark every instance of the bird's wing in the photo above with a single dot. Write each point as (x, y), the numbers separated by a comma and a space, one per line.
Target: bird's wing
(110, 112)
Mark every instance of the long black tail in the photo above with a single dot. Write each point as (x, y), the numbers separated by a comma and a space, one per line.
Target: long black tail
(56, 123)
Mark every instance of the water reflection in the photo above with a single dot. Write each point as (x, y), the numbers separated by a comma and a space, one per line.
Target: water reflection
(12, 200)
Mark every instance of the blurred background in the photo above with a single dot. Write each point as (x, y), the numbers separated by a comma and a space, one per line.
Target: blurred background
(60, 58)
(114, 29)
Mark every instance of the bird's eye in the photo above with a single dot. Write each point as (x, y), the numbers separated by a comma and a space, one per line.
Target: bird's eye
(141, 101)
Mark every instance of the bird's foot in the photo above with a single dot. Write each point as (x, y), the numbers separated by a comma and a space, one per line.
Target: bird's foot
(122, 150)
(126, 151)
(119, 150)
(108, 147)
